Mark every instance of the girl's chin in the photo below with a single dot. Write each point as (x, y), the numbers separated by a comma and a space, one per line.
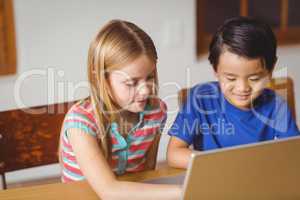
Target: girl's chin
(136, 108)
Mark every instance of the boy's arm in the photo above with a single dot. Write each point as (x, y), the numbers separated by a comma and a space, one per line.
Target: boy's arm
(178, 153)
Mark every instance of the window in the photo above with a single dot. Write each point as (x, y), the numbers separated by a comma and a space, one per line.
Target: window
(282, 15)
(7, 38)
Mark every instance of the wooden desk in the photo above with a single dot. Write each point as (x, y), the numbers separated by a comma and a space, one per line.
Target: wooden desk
(80, 189)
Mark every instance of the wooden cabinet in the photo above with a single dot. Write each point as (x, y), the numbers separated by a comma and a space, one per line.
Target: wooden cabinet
(282, 15)
(29, 137)
(7, 38)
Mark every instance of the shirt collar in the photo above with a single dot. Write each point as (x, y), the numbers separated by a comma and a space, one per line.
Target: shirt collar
(120, 142)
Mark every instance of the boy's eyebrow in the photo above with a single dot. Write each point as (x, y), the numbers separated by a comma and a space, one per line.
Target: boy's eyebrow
(229, 74)
(257, 73)
(254, 74)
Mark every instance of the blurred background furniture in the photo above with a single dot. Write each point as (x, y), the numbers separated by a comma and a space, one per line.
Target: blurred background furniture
(29, 137)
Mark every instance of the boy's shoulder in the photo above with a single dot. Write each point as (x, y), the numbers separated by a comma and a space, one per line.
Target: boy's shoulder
(269, 93)
(270, 97)
(209, 91)
(207, 94)
(208, 88)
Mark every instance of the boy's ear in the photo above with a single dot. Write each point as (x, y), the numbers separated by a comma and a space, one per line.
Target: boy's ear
(271, 72)
(216, 75)
(276, 59)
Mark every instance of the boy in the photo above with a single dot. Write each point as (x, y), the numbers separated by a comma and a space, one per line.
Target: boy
(238, 109)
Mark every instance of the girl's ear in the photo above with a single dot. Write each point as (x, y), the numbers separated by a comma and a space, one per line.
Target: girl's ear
(108, 85)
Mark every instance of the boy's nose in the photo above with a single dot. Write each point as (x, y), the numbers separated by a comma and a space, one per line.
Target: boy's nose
(243, 86)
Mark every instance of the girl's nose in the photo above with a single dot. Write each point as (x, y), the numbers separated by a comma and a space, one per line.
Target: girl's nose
(144, 90)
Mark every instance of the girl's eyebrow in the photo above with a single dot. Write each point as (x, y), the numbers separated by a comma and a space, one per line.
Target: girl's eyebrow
(138, 78)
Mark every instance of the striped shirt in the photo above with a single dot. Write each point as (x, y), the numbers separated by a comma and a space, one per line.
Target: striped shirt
(128, 154)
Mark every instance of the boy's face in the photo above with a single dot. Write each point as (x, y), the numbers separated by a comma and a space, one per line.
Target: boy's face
(241, 80)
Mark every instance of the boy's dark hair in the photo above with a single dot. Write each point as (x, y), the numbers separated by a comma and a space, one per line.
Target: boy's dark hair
(246, 37)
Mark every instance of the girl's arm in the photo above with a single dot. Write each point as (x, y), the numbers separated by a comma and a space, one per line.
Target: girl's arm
(178, 153)
(101, 178)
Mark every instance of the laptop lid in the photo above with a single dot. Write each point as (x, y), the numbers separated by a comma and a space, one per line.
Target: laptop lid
(266, 170)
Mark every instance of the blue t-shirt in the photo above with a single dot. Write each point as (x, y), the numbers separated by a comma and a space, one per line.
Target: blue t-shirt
(208, 121)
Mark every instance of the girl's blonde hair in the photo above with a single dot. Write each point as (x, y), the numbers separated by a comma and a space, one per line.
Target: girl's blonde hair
(117, 43)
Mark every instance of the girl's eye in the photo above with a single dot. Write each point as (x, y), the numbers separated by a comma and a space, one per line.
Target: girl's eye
(150, 78)
(131, 84)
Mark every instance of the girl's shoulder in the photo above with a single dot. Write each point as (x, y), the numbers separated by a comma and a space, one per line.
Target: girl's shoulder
(84, 104)
(156, 110)
(82, 109)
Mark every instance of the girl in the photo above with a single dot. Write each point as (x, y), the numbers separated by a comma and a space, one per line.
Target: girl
(116, 130)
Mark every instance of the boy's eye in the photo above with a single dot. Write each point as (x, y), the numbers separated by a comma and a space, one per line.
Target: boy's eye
(229, 78)
(254, 79)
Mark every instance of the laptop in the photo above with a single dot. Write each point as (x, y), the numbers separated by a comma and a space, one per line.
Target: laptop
(260, 171)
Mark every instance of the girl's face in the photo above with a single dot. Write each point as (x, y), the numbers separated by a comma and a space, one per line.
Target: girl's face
(241, 80)
(133, 83)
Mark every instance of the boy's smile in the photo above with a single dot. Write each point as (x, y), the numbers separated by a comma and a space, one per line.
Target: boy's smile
(241, 79)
